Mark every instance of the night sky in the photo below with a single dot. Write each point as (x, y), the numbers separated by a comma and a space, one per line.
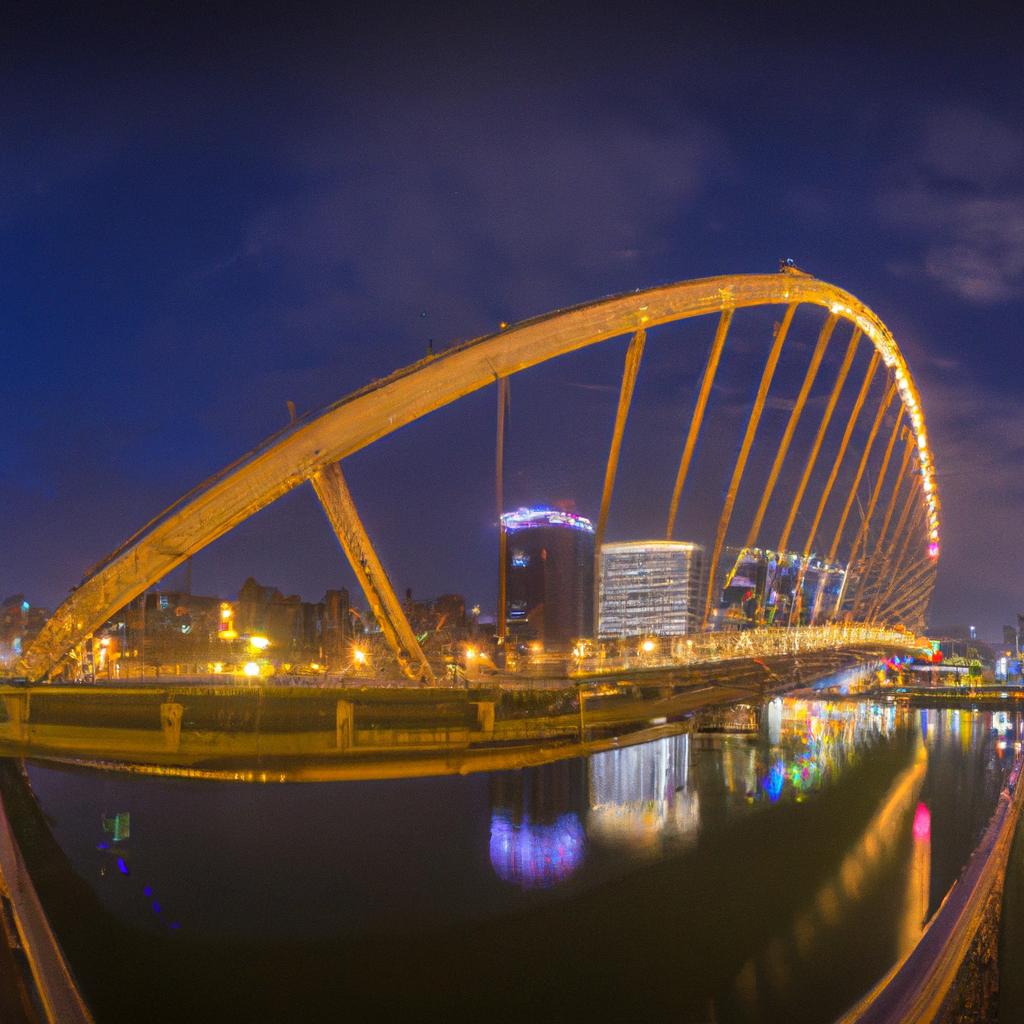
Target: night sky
(206, 214)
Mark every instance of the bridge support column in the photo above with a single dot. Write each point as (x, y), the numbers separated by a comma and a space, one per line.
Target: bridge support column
(826, 418)
(710, 369)
(485, 716)
(337, 502)
(862, 531)
(344, 724)
(872, 562)
(859, 475)
(892, 561)
(499, 497)
(851, 423)
(794, 418)
(170, 725)
(17, 707)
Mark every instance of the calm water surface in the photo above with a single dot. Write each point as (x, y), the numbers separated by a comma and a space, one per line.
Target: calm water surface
(703, 877)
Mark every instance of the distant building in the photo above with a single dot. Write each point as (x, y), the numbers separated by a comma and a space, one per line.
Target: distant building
(173, 633)
(962, 641)
(20, 623)
(758, 585)
(651, 588)
(161, 632)
(265, 611)
(549, 564)
(445, 614)
(337, 633)
(1010, 637)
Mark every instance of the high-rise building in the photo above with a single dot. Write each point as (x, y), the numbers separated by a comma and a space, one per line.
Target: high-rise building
(651, 588)
(549, 565)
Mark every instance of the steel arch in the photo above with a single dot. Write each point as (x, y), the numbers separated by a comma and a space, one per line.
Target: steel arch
(297, 453)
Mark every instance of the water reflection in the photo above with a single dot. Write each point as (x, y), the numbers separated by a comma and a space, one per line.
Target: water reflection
(640, 795)
(536, 838)
(737, 875)
(536, 856)
(803, 746)
(875, 851)
(647, 799)
(918, 879)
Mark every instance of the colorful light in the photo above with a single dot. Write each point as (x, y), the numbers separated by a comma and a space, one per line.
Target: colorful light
(536, 856)
(531, 518)
(922, 822)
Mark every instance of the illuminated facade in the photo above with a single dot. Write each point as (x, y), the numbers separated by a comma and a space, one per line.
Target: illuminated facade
(549, 562)
(651, 588)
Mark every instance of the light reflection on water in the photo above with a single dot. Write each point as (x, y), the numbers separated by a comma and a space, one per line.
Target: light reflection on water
(644, 797)
(641, 795)
(747, 868)
(533, 855)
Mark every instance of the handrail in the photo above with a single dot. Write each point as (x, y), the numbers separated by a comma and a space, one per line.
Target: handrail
(58, 992)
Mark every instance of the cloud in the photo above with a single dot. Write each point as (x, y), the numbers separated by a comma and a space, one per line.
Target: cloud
(481, 208)
(962, 144)
(963, 199)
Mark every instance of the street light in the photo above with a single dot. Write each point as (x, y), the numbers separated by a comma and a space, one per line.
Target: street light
(251, 668)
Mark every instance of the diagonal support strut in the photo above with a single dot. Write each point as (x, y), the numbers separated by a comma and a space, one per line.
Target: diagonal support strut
(331, 489)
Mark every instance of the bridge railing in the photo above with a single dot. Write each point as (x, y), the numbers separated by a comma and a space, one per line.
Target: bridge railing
(762, 642)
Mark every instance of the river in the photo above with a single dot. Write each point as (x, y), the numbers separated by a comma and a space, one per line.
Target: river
(765, 875)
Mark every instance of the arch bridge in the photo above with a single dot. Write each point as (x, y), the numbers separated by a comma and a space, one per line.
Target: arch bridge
(886, 554)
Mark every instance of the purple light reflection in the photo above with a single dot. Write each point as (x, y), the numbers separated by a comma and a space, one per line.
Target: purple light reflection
(535, 856)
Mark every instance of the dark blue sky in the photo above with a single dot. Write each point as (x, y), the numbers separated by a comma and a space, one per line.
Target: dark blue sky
(204, 214)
